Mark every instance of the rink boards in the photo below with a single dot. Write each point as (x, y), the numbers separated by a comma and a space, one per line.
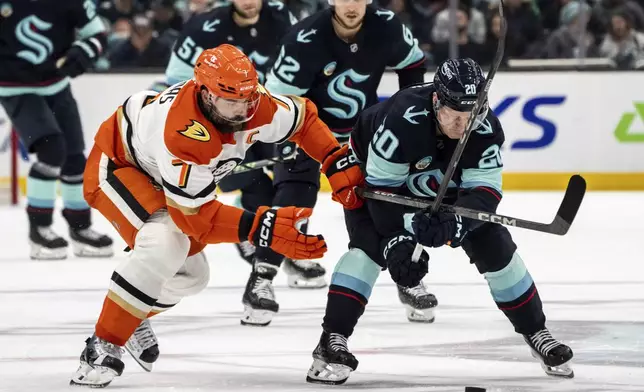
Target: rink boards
(556, 124)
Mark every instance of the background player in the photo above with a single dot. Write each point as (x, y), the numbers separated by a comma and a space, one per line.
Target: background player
(153, 173)
(336, 58)
(406, 144)
(40, 53)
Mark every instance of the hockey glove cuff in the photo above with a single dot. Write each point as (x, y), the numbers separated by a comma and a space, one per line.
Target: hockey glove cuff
(81, 56)
(397, 252)
(277, 229)
(343, 171)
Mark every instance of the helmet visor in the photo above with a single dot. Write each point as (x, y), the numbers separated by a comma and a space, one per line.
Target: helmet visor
(234, 110)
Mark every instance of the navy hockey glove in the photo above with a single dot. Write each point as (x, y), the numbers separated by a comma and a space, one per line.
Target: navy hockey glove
(397, 252)
(80, 57)
(438, 229)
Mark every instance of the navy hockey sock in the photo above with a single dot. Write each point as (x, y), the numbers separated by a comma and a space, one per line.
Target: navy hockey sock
(41, 181)
(350, 289)
(77, 211)
(41, 193)
(516, 296)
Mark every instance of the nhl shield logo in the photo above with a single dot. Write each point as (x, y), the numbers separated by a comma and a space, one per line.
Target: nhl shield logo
(329, 69)
(424, 163)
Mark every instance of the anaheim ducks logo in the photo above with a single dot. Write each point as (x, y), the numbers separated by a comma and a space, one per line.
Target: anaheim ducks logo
(196, 131)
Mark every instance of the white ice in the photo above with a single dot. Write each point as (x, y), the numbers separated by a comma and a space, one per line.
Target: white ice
(590, 280)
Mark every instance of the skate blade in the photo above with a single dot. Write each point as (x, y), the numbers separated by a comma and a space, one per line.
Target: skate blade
(298, 282)
(560, 371)
(93, 377)
(39, 252)
(420, 315)
(321, 372)
(144, 365)
(256, 317)
(84, 250)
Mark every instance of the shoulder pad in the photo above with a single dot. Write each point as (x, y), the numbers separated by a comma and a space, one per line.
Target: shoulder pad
(188, 135)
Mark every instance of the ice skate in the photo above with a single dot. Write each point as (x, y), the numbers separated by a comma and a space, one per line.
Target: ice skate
(419, 303)
(143, 345)
(332, 360)
(45, 244)
(89, 243)
(553, 355)
(259, 297)
(100, 363)
(304, 274)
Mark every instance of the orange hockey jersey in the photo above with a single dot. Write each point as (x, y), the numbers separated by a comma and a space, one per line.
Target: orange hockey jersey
(166, 136)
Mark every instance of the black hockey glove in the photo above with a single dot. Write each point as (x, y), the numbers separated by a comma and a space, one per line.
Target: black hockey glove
(438, 229)
(80, 57)
(397, 252)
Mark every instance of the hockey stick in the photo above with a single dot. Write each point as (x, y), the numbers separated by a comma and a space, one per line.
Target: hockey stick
(478, 105)
(262, 163)
(560, 224)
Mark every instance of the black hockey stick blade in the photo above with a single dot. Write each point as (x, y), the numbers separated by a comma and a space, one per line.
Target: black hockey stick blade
(570, 204)
(559, 226)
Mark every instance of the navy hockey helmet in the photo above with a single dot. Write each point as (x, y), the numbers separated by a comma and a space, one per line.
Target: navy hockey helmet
(457, 83)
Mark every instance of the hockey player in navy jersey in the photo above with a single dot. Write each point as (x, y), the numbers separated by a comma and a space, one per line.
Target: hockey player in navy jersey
(254, 26)
(404, 146)
(42, 45)
(336, 58)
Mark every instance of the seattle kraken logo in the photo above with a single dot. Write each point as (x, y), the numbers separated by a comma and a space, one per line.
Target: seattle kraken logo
(343, 94)
(27, 33)
(425, 184)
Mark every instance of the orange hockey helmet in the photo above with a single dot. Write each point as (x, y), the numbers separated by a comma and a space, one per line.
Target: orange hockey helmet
(231, 79)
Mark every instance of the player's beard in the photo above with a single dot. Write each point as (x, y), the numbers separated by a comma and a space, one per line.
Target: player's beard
(223, 125)
(243, 14)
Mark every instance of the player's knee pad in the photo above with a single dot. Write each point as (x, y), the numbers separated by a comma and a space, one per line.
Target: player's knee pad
(489, 247)
(356, 271)
(296, 193)
(242, 181)
(74, 165)
(190, 280)
(160, 249)
(50, 150)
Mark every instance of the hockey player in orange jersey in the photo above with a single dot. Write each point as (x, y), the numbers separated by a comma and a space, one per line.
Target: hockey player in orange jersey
(153, 172)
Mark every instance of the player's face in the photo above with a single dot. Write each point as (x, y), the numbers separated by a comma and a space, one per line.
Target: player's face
(231, 111)
(350, 12)
(452, 122)
(248, 8)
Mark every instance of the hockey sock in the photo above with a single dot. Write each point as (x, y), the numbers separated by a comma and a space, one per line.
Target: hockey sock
(76, 211)
(41, 193)
(41, 181)
(350, 289)
(516, 296)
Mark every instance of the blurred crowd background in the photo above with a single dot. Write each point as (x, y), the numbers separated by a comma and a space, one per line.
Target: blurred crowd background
(142, 32)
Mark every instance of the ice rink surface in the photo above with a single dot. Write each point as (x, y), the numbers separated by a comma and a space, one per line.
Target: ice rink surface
(591, 282)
